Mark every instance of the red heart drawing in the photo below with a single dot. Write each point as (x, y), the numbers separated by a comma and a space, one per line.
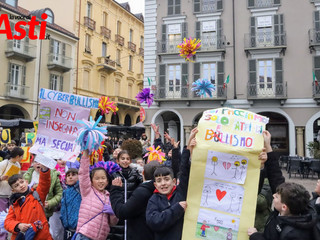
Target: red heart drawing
(216, 228)
(220, 194)
(226, 165)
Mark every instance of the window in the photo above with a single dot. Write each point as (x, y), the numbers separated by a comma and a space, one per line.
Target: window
(50, 16)
(104, 49)
(265, 81)
(89, 10)
(12, 3)
(209, 72)
(174, 86)
(208, 35)
(102, 84)
(56, 82)
(141, 41)
(129, 90)
(105, 19)
(174, 7)
(118, 27)
(17, 78)
(86, 79)
(56, 50)
(130, 63)
(174, 37)
(118, 57)
(88, 44)
(131, 35)
(264, 31)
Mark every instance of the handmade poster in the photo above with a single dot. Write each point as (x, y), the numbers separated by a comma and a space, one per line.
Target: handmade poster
(46, 161)
(5, 136)
(35, 126)
(224, 175)
(26, 155)
(12, 171)
(58, 129)
(30, 138)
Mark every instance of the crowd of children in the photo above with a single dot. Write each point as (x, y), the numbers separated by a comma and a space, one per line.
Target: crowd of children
(109, 201)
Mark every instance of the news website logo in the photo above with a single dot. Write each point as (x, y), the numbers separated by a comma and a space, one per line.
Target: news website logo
(21, 32)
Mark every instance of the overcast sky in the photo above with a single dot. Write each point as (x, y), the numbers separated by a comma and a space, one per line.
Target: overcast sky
(137, 6)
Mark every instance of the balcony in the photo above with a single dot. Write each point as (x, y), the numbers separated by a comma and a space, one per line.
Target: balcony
(208, 6)
(132, 46)
(125, 102)
(16, 91)
(211, 44)
(21, 50)
(270, 90)
(262, 3)
(168, 46)
(316, 92)
(119, 40)
(265, 40)
(314, 39)
(104, 63)
(59, 62)
(89, 23)
(106, 32)
(141, 52)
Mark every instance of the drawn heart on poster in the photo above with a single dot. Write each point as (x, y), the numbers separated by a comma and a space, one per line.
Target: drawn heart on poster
(220, 194)
(216, 228)
(226, 165)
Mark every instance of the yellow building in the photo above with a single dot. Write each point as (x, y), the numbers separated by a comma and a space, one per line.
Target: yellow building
(28, 65)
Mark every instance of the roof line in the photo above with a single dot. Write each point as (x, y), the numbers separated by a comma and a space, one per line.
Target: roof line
(128, 11)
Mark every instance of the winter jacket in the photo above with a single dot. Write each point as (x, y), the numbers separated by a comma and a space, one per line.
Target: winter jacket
(70, 205)
(134, 210)
(31, 210)
(288, 227)
(92, 222)
(5, 189)
(55, 192)
(165, 217)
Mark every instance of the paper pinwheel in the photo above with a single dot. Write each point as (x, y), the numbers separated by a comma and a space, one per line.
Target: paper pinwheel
(109, 166)
(189, 47)
(145, 96)
(155, 154)
(203, 87)
(90, 135)
(105, 105)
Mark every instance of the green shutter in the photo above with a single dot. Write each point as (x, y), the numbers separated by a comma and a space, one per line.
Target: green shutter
(279, 38)
(220, 78)
(184, 27)
(170, 7)
(23, 82)
(252, 89)
(251, 3)
(164, 38)
(184, 80)
(197, 6)
(279, 77)
(219, 5)
(316, 16)
(61, 84)
(162, 81)
(219, 34)
(252, 38)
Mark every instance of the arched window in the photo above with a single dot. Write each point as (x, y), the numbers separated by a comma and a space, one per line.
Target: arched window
(50, 16)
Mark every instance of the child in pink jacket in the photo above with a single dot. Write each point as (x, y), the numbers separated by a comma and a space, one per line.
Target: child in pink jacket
(95, 215)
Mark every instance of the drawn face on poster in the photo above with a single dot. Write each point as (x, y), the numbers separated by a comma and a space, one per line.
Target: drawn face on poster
(220, 227)
(227, 167)
(221, 196)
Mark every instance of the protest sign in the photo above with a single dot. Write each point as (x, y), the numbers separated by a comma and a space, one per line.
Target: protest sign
(12, 171)
(46, 161)
(5, 136)
(224, 175)
(35, 126)
(26, 155)
(30, 138)
(58, 129)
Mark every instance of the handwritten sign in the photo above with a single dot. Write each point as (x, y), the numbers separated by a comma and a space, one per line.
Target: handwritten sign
(30, 138)
(58, 129)
(26, 155)
(46, 161)
(67, 98)
(12, 171)
(5, 136)
(224, 175)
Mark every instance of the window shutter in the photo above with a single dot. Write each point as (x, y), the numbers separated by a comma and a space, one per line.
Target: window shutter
(170, 7)
(164, 38)
(51, 45)
(23, 79)
(177, 7)
(219, 5)
(184, 30)
(26, 42)
(279, 38)
(251, 3)
(61, 84)
(51, 82)
(162, 81)
(276, 2)
(63, 52)
(196, 75)
(279, 77)
(220, 78)
(252, 32)
(316, 62)
(196, 6)
(219, 34)
(198, 30)
(184, 80)
(316, 16)
(12, 28)
(9, 73)
(252, 89)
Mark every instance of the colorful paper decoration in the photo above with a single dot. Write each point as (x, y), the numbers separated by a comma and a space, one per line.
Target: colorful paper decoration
(96, 156)
(203, 87)
(109, 166)
(30, 138)
(105, 105)
(145, 96)
(155, 154)
(189, 47)
(90, 135)
(142, 114)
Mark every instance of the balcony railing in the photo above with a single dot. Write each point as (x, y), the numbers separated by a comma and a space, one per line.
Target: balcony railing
(141, 51)
(316, 90)
(265, 40)
(20, 49)
(119, 40)
(212, 43)
(59, 62)
(262, 4)
(106, 32)
(16, 91)
(107, 63)
(168, 46)
(270, 90)
(132, 46)
(90, 23)
(185, 93)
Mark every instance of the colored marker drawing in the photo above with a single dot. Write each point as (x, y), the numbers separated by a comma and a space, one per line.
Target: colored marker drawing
(224, 197)
(213, 225)
(227, 167)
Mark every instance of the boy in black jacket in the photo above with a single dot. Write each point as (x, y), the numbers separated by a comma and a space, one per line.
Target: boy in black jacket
(167, 205)
(292, 219)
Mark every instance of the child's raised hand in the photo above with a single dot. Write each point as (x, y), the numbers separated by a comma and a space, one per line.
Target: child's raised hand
(184, 205)
(267, 140)
(251, 231)
(117, 182)
(174, 143)
(24, 226)
(263, 157)
(167, 136)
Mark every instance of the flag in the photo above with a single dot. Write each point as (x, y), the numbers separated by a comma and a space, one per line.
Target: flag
(226, 81)
(315, 80)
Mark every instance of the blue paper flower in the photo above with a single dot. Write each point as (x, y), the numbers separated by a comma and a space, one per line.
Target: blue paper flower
(203, 87)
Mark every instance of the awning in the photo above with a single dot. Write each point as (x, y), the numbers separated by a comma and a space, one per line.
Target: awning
(21, 123)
